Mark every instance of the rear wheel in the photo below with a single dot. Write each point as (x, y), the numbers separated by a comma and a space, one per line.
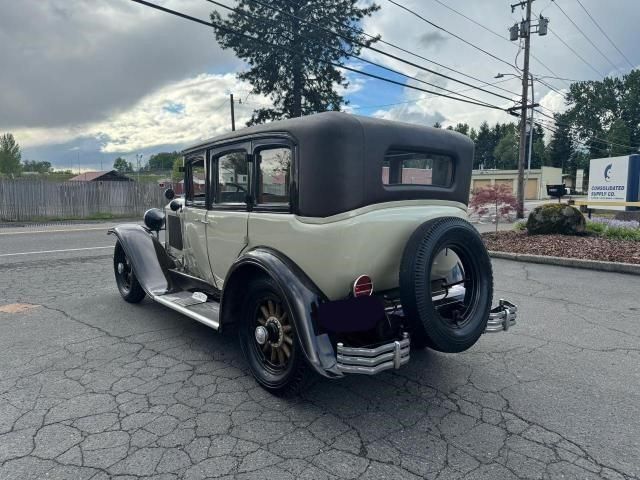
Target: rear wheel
(126, 280)
(447, 311)
(268, 339)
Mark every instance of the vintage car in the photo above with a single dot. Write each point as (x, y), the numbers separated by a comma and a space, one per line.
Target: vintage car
(334, 243)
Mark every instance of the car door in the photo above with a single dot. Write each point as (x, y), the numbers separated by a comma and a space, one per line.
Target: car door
(227, 218)
(194, 218)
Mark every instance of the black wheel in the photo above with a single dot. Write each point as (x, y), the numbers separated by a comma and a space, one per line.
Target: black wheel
(126, 280)
(446, 312)
(269, 341)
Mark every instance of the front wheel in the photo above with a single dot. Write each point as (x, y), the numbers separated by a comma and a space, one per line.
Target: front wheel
(126, 280)
(268, 339)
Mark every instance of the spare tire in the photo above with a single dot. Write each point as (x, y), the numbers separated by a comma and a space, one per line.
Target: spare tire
(446, 324)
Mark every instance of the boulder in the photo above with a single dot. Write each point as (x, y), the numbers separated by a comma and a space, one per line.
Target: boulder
(556, 218)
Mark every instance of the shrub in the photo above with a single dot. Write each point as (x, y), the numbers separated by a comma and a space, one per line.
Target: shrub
(520, 226)
(496, 199)
(596, 228)
(622, 233)
(556, 218)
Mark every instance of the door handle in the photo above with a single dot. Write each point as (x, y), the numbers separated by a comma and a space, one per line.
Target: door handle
(203, 221)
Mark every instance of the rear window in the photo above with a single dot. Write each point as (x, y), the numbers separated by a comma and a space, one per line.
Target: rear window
(407, 167)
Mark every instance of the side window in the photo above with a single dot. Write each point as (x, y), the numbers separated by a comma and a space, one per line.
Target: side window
(233, 178)
(406, 167)
(274, 175)
(195, 181)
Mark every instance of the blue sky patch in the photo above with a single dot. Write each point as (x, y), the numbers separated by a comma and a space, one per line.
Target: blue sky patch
(173, 107)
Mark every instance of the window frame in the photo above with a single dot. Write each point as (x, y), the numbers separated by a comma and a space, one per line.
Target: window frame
(188, 179)
(416, 150)
(214, 155)
(267, 144)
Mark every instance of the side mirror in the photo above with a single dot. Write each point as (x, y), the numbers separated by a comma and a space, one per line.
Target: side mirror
(175, 205)
(169, 194)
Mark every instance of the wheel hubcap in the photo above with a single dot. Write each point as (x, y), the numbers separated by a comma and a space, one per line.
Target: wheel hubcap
(261, 335)
(120, 268)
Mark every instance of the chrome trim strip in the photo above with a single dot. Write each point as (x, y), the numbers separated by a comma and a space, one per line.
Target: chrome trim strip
(370, 361)
(502, 317)
(371, 352)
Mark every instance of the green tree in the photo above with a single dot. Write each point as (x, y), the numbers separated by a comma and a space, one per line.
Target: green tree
(484, 148)
(162, 160)
(122, 166)
(539, 149)
(296, 76)
(506, 152)
(34, 166)
(595, 106)
(618, 135)
(176, 174)
(10, 155)
(560, 147)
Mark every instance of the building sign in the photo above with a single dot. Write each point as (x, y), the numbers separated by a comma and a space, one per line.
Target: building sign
(613, 180)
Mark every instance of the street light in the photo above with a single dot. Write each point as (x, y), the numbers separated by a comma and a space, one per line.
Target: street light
(501, 75)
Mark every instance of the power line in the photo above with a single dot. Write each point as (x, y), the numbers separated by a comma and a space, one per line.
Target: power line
(382, 52)
(413, 100)
(344, 53)
(605, 34)
(397, 47)
(630, 147)
(293, 51)
(412, 12)
(493, 32)
(575, 53)
(585, 36)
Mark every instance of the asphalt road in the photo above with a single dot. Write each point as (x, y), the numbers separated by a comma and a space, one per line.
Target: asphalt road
(92, 387)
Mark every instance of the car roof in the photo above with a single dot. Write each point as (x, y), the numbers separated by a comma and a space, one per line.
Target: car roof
(339, 159)
(312, 125)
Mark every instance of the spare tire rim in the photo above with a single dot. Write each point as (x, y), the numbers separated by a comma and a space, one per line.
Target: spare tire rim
(456, 296)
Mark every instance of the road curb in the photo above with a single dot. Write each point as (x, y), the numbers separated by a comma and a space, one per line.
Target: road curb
(616, 267)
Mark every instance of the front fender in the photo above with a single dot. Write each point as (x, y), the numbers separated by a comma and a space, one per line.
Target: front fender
(302, 296)
(148, 257)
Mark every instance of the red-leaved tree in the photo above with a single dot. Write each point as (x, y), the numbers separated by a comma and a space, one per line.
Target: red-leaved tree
(494, 198)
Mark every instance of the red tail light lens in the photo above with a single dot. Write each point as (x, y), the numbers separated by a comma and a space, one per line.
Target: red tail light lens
(363, 286)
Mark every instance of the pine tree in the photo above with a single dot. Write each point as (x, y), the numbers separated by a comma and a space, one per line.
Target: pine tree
(296, 76)
(560, 148)
(10, 155)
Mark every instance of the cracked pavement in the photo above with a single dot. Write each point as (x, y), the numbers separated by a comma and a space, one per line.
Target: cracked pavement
(94, 388)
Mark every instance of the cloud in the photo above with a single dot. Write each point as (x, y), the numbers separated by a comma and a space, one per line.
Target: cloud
(432, 40)
(178, 114)
(66, 62)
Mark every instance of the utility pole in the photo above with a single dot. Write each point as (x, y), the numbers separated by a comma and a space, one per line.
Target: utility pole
(526, 26)
(233, 114)
(524, 31)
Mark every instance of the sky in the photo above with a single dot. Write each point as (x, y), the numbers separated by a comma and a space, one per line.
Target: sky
(83, 82)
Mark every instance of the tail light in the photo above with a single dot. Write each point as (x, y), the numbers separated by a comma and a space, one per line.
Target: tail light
(363, 286)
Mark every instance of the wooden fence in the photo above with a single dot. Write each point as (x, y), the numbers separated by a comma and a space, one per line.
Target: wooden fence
(30, 200)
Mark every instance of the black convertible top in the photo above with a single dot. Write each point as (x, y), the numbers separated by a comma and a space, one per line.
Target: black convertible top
(340, 158)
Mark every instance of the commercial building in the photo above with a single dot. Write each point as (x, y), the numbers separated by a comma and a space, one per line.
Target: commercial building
(536, 180)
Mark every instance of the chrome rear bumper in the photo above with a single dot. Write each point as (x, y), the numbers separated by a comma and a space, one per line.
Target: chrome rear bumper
(370, 361)
(502, 317)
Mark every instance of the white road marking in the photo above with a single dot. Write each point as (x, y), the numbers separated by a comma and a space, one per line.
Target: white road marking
(55, 231)
(54, 251)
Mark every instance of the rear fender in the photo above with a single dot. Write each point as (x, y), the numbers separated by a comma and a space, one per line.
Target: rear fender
(301, 294)
(148, 257)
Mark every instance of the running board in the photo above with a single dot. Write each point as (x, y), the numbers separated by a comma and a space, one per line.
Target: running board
(192, 305)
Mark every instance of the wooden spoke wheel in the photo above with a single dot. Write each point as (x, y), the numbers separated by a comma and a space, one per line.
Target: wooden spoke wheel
(268, 339)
